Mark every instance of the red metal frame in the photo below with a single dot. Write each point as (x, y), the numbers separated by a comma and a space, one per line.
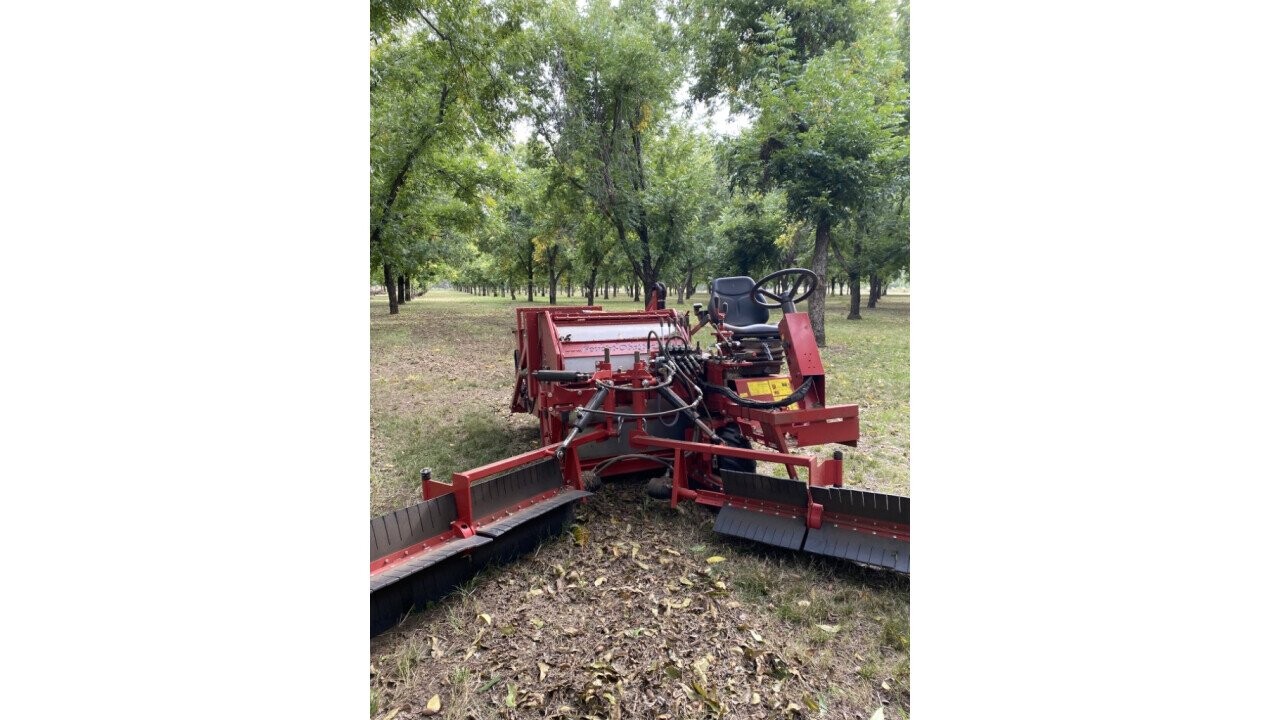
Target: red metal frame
(544, 339)
(546, 334)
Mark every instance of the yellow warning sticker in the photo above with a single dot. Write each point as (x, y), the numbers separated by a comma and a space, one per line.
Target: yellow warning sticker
(776, 388)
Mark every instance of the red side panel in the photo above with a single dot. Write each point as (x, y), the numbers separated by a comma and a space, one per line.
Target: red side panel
(803, 359)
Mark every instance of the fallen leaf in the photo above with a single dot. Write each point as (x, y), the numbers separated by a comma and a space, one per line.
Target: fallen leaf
(486, 618)
(878, 714)
(756, 636)
(542, 671)
(714, 559)
(599, 581)
(885, 685)
(829, 628)
(511, 695)
(433, 705)
(803, 603)
(492, 681)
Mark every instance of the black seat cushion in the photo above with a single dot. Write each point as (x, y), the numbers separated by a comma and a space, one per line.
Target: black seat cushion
(733, 306)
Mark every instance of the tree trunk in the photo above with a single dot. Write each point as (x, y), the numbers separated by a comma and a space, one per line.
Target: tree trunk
(818, 300)
(679, 293)
(389, 281)
(551, 274)
(874, 295)
(690, 287)
(855, 297)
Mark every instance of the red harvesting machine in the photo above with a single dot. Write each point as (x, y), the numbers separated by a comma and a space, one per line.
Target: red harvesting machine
(626, 393)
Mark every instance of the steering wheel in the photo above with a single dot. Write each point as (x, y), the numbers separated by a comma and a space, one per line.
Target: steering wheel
(788, 299)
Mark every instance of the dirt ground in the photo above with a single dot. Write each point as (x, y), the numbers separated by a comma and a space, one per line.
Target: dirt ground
(640, 610)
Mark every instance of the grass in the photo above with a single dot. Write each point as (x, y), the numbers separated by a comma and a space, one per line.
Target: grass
(440, 378)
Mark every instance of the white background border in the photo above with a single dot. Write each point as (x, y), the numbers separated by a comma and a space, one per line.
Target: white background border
(185, 380)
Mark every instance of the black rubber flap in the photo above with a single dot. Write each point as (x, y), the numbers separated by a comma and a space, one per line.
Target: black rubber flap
(875, 550)
(503, 525)
(434, 556)
(516, 536)
(864, 503)
(754, 486)
(402, 528)
(506, 489)
(389, 603)
(783, 531)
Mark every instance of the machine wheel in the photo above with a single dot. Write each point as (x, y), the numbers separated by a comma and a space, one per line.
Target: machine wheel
(659, 487)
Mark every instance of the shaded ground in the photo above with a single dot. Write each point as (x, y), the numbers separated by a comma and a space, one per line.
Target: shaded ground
(632, 614)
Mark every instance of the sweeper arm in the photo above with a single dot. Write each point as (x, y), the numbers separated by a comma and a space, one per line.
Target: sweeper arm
(493, 513)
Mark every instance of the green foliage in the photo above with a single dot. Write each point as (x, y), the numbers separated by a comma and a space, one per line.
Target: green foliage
(614, 182)
(438, 91)
(599, 92)
(732, 42)
(827, 134)
(748, 234)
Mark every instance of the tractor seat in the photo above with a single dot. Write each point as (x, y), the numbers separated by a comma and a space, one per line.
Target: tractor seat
(731, 297)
